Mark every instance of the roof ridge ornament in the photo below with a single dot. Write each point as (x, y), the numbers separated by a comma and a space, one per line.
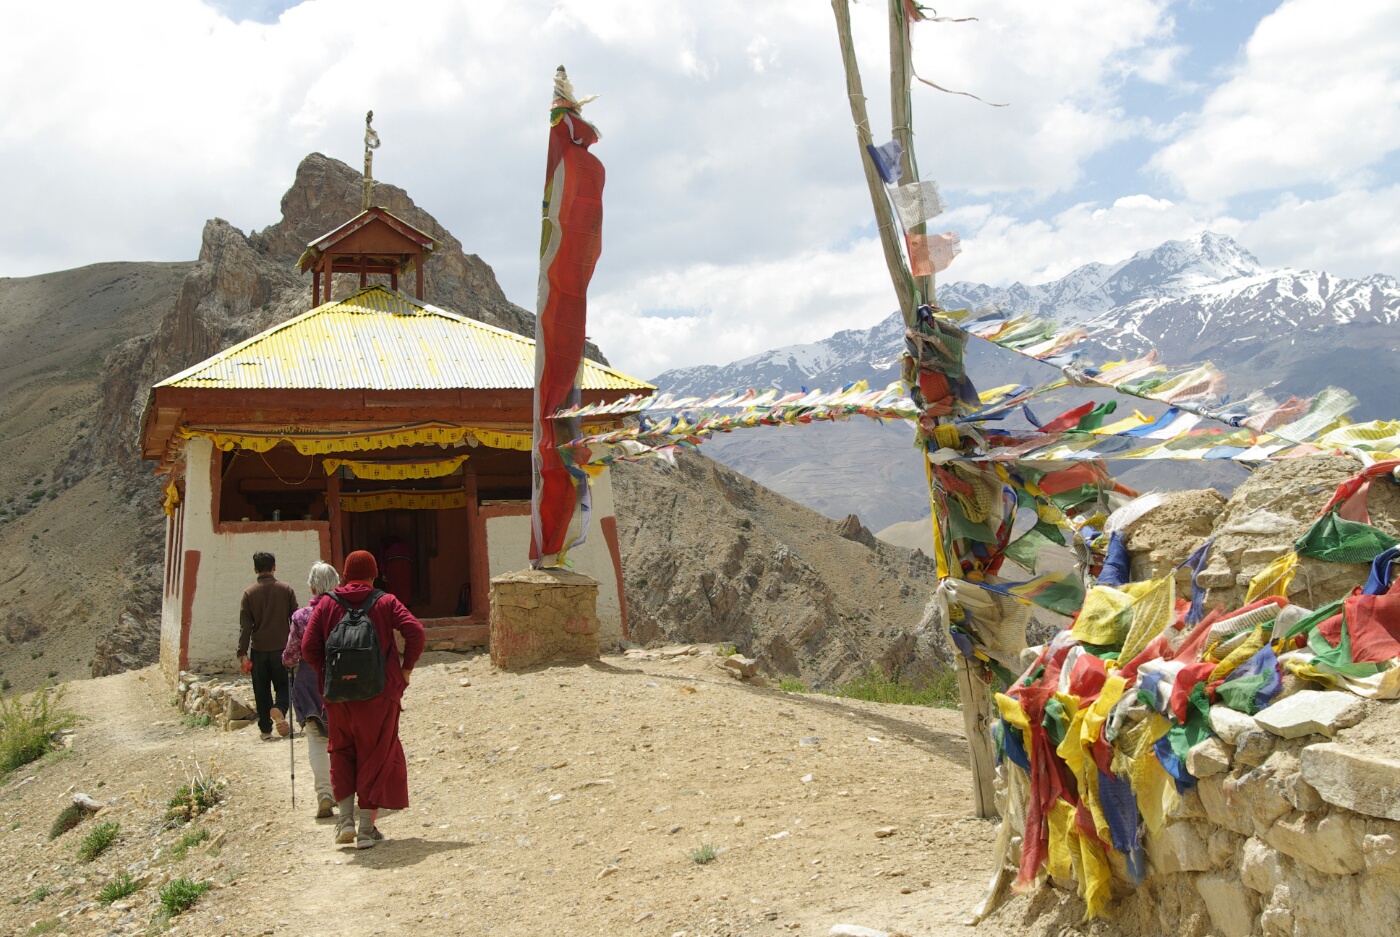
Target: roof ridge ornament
(371, 144)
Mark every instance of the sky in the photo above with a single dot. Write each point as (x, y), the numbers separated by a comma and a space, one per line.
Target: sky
(736, 213)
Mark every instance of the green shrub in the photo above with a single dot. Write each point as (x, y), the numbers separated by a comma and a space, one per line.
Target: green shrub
(876, 686)
(704, 855)
(179, 894)
(792, 685)
(727, 650)
(198, 720)
(192, 799)
(186, 842)
(40, 893)
(46, 926)
(97, 841)
(67, 818)
(27, 728)
(118, 888)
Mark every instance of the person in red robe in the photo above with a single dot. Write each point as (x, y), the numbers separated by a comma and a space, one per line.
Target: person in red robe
(396, 560)
(367, 760)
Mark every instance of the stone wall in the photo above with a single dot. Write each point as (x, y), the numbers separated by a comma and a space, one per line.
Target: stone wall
(226, 700)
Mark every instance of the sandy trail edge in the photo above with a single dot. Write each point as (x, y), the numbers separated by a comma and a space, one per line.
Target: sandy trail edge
(527, 790)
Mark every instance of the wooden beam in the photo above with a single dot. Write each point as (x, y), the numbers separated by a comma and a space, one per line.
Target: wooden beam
(337, 536)
(364, 272)
(328, 279)
(315, 287)
(902, 117)
(418, 272)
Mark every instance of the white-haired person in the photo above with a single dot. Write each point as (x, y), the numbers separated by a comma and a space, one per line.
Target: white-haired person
(307, 704)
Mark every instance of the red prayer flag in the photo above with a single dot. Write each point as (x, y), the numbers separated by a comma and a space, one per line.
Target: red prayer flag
(569, 249)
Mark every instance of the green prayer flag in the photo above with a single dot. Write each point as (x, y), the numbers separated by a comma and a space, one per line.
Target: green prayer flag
(1338, 540)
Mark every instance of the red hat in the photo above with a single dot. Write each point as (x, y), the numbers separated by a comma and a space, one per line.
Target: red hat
(360, 567)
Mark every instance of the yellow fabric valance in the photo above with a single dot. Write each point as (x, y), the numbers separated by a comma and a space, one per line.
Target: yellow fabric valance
(386, 471)
(313, 443)
(399, 500)
(496, 440)
(172, 499)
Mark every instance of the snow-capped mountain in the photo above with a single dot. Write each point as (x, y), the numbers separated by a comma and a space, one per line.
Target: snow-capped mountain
(1196, 300)
(1203, 299)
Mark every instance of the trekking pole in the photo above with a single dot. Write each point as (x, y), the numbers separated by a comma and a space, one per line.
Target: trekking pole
(292, 738)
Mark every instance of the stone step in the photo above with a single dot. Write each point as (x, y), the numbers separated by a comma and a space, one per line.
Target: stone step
(456, 637)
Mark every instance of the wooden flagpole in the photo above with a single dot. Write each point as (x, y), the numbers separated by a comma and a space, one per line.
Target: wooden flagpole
(884, 216)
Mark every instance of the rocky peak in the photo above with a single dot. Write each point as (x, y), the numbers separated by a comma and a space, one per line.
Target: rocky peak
(1179, 266)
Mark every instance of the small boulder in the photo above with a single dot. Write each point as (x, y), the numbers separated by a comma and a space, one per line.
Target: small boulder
(745, 666)
(1312, 712)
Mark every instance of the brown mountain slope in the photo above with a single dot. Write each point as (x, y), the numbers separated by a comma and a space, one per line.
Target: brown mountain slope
(65, 563)
(710, 555)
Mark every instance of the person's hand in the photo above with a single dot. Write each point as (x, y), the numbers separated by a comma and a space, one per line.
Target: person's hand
(245, 665)
(407, 674)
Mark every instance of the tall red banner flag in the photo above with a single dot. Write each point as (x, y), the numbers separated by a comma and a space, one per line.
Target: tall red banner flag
(569, 248)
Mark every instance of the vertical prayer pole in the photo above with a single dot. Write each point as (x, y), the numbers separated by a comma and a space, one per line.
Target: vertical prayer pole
(570, 243)
(902, 117)
(972, 684)
(884, 216)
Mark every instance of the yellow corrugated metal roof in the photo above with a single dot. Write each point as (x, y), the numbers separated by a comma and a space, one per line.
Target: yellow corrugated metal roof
(378, 339)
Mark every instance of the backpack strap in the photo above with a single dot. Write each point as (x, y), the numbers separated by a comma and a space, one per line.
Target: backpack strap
(368, 603)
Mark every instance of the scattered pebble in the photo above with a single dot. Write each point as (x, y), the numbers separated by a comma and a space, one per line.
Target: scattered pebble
(886, 831)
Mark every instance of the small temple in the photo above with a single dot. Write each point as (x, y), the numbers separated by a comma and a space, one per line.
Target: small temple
(375, 421)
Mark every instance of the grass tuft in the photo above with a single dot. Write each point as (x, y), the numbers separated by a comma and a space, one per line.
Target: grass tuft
(192, 799)
(27, 728)
(187, 842)
(46, 926)
(792, 685)
(97, 841)
(40, 893)
(704, 855)
(118, 888)
(67, 818)
(180, 894)
(876, 686)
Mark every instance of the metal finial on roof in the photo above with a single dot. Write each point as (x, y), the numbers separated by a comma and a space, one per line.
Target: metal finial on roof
(371, 144)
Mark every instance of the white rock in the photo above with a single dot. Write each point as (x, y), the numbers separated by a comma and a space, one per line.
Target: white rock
(1312, 712)
(1229, 724)
(1232, 907)
(886, 831)
(1353, 779)
(1180, 847)
(807, 778)
(855, 930)
(746, 666)
(1208, 757)
(464, 682)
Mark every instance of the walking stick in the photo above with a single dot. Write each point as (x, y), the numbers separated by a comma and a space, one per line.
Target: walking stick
(292, 738)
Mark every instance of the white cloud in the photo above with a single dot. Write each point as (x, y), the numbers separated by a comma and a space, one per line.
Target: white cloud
(1351, 234)
(1316, 99)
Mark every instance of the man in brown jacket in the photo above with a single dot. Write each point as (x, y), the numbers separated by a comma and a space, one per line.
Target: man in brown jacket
(264, 618)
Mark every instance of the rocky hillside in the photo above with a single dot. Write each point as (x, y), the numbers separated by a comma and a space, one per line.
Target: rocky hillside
(709, 555)
(68, 548)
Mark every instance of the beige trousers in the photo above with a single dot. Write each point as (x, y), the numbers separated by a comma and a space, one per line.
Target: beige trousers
(316, 742)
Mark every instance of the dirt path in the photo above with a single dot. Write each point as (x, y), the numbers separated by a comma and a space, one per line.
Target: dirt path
(566, 800)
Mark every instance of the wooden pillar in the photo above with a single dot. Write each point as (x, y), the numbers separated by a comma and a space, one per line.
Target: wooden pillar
(329, 264)
(394, 279)
(418, 272)
(364, 271)
(315, 287)
(337, 527)
(478, 569)
(977, 722)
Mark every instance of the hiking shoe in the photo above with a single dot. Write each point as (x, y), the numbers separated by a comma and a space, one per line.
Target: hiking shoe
(268, 737)
(369, 840)
(326, 807)
(345, 832)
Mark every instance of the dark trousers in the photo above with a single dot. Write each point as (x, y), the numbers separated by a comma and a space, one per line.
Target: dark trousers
(269, 685)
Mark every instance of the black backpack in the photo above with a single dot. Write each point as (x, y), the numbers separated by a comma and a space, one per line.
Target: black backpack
(354, 660)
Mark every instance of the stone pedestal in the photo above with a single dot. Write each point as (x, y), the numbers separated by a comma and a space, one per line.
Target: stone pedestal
(543, 614)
